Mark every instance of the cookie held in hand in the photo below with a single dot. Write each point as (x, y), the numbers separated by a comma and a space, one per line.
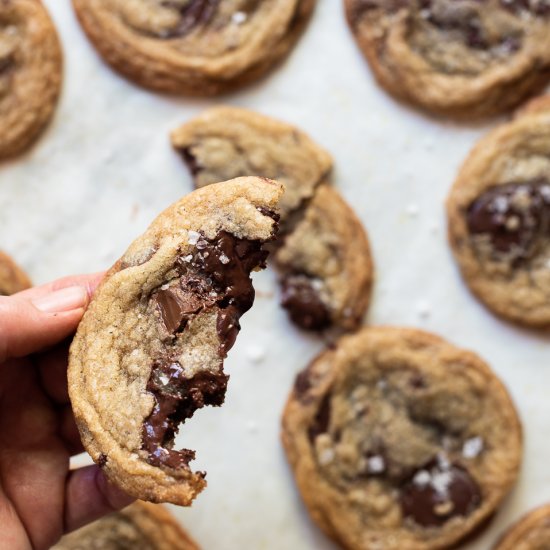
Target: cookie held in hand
(30, 73)
(464, 59)
(149, 351)
(198, 47)
(141, 526)
(323, 254)
(532, 532)
(399, 440)
(499, 218)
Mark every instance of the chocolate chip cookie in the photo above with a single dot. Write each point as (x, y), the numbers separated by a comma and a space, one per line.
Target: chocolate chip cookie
(499, 218)
(141, 526)
(532, 532)
(398, 440)
(324, 254)
(459, 58)
(30, 73)
(149, 351)
(198, 47)
(12, 278)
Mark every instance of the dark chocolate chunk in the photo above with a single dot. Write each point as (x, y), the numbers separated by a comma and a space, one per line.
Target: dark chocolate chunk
(176, 307)
(322, 419)
(216, 274)
(302, 384)
(515, 216)
(190, 160)
(102, 460)
(439, 492)
(177, 397)
(192, 14)
(304, 304)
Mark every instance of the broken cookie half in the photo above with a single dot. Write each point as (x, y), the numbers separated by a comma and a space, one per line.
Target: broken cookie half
(323, 254)
(149, 351)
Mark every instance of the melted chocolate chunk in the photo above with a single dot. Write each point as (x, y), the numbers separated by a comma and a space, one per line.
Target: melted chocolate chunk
(515, 217)
(176, 307)
(322, 419)
(304, 304)
(193, 14)
(190, 160)
(216, 274)
(177, 397)
(102, 460)
(439, 492)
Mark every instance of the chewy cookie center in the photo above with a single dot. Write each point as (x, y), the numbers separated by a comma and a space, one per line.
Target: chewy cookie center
(214, 278)
(511, 222)
(400, 443)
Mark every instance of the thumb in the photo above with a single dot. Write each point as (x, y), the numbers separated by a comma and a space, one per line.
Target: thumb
(28, 325)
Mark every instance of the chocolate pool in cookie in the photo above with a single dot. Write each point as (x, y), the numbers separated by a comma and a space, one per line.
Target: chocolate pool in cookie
(463, 58)
(149, 351)
(499, 218)
(398, 439)
(199, 47)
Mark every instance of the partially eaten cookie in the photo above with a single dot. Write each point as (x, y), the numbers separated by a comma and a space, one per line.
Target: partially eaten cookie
(149, 351)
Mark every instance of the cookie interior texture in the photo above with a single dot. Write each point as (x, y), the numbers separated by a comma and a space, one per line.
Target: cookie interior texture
(30, 73)
(200, 47)
(12, 278)
(463, 58)
(141, 526)
(499, 218)
(399, 440)
(532, 532)
(149, 351)
(323, 254)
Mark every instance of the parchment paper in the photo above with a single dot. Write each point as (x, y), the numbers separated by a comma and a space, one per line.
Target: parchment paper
(104, 170)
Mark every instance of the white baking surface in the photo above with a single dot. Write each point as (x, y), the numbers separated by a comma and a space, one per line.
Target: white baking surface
(105, 168)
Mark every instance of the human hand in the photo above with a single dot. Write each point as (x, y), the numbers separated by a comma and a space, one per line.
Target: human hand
(40, 498)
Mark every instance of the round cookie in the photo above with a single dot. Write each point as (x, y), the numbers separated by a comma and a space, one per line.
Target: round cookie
(150, 348)
(197, 47)
(499, 218)
(12, 278)
(398, 440)
(227, 142)
(324, 256)
(458, 58)
(141, 526)
(532, 532)
(30, 73)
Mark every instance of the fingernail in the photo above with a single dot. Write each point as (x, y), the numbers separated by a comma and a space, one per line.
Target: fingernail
(66, 299)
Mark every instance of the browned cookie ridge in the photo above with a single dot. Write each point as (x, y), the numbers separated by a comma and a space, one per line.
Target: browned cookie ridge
(499, 217)
(149, 351)
(141, 526)
(12, 278)
(323, 254)
(398, 440)
(199, 47)
(532, 532)
(30, 73)
(460, 58)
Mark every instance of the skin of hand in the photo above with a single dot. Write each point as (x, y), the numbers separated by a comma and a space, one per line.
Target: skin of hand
(40, 497)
